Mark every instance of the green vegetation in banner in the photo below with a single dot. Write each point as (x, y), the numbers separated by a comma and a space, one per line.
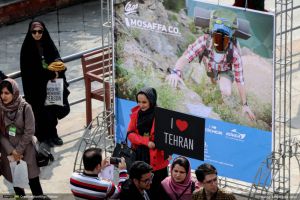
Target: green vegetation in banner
(174, 5)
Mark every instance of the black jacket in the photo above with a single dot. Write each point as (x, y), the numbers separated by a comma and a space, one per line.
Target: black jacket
(130, 192)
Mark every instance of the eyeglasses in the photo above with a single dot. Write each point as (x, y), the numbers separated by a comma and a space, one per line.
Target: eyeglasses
(211, 181)
(148, 180)
(36, 31)
(221, 41)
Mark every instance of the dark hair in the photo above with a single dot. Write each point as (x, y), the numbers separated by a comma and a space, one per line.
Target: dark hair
(6, 84)
(91, 158)
(183, 162)
(2, 76)
(138, 169)
(203, 170)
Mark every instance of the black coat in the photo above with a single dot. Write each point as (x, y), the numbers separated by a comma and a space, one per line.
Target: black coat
(35, 79)
(130, 192)
(34, 76)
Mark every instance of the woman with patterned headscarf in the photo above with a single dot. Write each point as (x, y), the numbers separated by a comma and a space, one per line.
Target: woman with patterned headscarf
(141, 135)
(37, 52)
(16, 131)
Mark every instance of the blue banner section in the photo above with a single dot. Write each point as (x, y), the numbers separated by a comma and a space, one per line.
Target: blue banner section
(123, 110)
(236, 151)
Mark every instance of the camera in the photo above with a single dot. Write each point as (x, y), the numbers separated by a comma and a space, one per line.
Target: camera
(114, 160)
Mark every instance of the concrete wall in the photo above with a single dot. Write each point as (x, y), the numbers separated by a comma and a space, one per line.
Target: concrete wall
(22, 9)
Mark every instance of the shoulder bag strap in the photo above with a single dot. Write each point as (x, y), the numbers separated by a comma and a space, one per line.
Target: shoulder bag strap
(178, 197)
(127, 136)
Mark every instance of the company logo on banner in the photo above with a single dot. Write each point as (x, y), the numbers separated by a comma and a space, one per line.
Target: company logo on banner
(213, 129)
(235, 135)
(179, 133)
(131, 8)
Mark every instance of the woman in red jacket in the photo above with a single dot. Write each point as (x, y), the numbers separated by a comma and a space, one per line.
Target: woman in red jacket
(141, 135)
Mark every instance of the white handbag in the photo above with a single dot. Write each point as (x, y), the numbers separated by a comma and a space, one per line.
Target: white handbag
(55, 89)
(19, 173)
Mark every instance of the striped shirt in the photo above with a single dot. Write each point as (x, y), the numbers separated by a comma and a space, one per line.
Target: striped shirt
(210, 63)
(87, 186)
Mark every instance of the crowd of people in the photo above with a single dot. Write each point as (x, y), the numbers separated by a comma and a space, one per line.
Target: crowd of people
(24, 122)
(148, 176)
(180, 185)
(22, 119)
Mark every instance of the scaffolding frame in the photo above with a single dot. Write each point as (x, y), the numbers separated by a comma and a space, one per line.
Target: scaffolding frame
(277, 166)
(273, 178)
(98, 132)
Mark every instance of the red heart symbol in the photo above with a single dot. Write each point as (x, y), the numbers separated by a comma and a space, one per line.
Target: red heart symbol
(181, 125)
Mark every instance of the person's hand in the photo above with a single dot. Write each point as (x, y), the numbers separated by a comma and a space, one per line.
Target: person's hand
(105, 162)
(151, 145)
(122, 164)
(16, 155)
(174, 79)
(249, 113)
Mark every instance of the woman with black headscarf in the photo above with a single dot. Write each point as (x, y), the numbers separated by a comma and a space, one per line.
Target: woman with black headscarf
(141, 135)
(37, 52)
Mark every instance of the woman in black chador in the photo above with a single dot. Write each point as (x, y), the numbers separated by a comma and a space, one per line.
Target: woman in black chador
(38, 51)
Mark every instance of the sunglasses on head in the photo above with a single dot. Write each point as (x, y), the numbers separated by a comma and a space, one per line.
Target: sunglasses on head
(36, 31)
(221, 41)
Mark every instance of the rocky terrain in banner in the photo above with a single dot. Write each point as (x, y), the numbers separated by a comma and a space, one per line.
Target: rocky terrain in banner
(150, 41)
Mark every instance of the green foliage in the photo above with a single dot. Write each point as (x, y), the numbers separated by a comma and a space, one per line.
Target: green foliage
(174, 5)
(192, 27)
(135, 33)
(120, 45)
(169, 97)
(173, 17)
(190, 38)
(263, 112)
(128, 84)
(232, 110)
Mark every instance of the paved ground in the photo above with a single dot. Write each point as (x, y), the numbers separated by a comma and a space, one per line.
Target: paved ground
(79, 30)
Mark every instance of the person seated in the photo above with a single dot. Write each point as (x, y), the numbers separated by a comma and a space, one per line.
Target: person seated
(178, 186)
(89, 185)
(139, 182)
(207, 176)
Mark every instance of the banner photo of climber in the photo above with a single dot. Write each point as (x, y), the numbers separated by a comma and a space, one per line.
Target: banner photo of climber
(206, 60)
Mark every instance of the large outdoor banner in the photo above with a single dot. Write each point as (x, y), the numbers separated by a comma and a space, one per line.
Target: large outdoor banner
(205, 60)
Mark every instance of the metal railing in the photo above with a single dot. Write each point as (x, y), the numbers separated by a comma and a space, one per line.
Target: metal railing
(66, 59)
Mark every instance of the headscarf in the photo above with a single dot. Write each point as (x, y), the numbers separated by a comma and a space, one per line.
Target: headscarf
(34, 76)
(50, 51)
(36, 24)
(14, 105)
(150, 94)
(173, 188)
(145, 122)
(145, 118)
